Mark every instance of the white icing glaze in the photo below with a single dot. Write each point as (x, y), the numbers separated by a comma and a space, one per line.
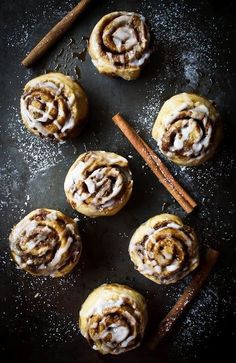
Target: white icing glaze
(174, 266)
(201, 108)
(52, 216)
(74, 175)
(171, 225)
(184, 136)
(30, 245)
(169, 118)
(60, 251)
(25, 226)
(118, 333)
(103, 303)
(140, 61)
(124, 36)
(126, 342)
(69, 124)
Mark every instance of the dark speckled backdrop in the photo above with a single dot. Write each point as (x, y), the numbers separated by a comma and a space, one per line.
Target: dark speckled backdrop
(193, 42)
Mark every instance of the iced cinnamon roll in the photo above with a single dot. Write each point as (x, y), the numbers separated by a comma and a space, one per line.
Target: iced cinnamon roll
(54, 107)
(99, 183)
(113, 319)
(119, 44)
(164, 250)
(187, 129)
(46, 243)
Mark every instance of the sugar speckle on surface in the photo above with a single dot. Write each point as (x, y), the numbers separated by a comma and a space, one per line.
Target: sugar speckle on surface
(186, 57)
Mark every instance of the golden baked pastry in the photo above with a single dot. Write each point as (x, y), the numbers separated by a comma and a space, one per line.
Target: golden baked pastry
(53, 106)
(46, 243)
(187, 129)
(99, 183)
(113, 318)
(119, 44)
(163, 249)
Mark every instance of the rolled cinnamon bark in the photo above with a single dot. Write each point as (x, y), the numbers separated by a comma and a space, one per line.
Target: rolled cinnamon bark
(54, 34)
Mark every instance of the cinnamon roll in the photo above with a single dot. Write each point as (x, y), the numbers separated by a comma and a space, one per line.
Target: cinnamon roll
(187, 129)
(164, 250)
(46, 243)
(119, 44)
(113, 319)
(99, 183)
(53, 106)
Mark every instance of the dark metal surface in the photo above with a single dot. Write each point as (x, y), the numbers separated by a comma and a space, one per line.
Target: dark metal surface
(38, 315)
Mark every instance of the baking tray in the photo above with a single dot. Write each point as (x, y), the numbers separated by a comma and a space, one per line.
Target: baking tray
(193, 40)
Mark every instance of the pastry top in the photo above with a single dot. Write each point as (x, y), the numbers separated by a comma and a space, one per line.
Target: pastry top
(46, 242)
(54, 106)
(98, 183)
(187, 129)
(113, 318)
(164, 249)
(119, 44)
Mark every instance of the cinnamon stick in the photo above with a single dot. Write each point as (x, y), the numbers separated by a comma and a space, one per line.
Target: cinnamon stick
(185, 299)
(156, 165)
(54, 34)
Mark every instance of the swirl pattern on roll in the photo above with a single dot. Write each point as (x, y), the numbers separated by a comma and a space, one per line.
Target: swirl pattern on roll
(119, 44)
(99, 183)
(46, 243)
(53, 106)
(187, 129)
(113, 319)
(164, 249)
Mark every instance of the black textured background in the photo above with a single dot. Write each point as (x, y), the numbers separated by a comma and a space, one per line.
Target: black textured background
(193, 52)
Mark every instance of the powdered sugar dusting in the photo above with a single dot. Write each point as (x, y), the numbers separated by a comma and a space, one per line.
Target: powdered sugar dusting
(187, 58)
(38, 156)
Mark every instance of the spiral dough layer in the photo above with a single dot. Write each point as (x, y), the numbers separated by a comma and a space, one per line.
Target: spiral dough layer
(54, 107)
(119, 44)
(99, 183)
(46, 243)
(187, 129)
(113, 319)
(164, 249)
